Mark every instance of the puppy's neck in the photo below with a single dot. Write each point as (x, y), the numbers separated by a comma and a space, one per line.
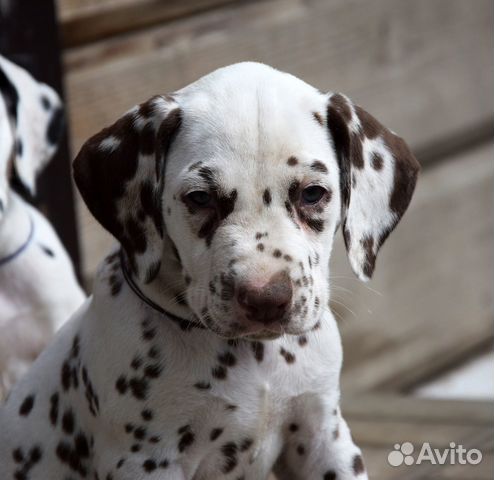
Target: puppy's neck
(15, 225)
(167, 289)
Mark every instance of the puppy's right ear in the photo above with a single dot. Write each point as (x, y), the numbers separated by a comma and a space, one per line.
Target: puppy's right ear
(120, 175)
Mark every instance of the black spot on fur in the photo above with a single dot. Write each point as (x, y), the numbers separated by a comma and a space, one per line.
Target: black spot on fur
(185, 441)
(229, 450)
(139, 387)
(293, 427)
(219, 372)
(227, 359)
(54, 400)
(258, 349)
(246, 444)
(147, 415)
(202, 385)
(46, 250)
(288, 356)
(10, 95)
(149, 465)
(121, 384)
(68, 422)
(153, 371)
(215, 433)
(27, 405)
(266, 197)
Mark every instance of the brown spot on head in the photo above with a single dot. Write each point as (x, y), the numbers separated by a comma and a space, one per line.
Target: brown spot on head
(377, 161)
(195, 166)
(292, 161)
(358, 465)
(318, 118)
(293, 190)
(341, 105)
(318, 166)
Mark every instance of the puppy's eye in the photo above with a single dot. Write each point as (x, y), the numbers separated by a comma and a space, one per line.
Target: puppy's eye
(311, 195)
(200, 198)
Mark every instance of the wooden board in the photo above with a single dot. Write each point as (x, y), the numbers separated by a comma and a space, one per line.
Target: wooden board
(378, 422)
(431, 301)
(84, 21)
(425, 68)
(424, 73)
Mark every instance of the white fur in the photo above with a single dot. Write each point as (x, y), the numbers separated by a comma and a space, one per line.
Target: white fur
(37, 291)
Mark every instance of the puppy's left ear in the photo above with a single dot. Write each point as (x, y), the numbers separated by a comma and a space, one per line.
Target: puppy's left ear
(37, 119)
(378, 173)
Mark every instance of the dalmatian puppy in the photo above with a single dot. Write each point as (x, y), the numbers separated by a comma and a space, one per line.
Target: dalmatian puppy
(38, 288)
(208, 349)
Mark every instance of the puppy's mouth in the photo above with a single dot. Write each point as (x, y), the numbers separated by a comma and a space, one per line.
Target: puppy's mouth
(233, 329)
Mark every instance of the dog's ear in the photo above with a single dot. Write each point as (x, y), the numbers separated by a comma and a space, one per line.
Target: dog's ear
(36, 115)
(120, 174)
(6, 153)
(378, 173)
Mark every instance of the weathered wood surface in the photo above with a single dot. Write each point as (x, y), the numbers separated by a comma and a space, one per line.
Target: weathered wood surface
(84, 21)
(424, 68)
(378, 422)
(430, 303)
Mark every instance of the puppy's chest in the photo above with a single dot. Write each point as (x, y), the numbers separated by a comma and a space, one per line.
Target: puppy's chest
(229, 411)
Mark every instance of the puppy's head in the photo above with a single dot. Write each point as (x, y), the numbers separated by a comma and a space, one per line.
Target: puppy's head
(247, 174)
(33, 113)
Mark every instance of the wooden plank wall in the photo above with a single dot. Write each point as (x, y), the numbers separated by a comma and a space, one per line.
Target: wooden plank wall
(424, 68)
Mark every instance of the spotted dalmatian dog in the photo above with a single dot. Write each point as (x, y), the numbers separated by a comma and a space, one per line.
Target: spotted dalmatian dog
(38, 288)
(208, 349)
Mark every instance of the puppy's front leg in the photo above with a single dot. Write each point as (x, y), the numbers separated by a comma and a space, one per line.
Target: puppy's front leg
(321, 452)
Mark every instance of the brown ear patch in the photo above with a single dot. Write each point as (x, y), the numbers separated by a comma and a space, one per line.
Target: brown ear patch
(350, 126)
(120, 175)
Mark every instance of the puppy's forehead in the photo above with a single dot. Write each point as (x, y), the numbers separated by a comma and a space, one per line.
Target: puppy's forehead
(251, 112)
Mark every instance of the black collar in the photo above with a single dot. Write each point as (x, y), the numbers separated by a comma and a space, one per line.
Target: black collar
(182, 322)
(22, 248)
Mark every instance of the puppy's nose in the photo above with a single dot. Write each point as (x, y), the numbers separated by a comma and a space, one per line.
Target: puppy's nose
(269, 302)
